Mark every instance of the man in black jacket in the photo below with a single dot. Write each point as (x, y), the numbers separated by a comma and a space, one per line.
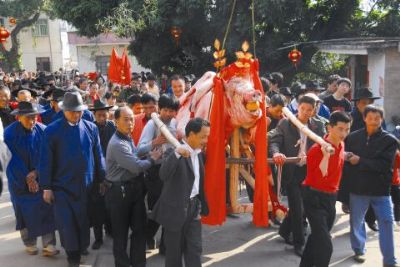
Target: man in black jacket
(287, 141)
(183, 200)
(369, 168)
(362, 98)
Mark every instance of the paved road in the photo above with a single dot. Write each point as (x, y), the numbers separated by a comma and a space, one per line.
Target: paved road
(236, 243)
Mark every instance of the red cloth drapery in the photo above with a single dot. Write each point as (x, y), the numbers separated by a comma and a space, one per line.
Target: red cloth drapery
(261, 168)
(215, 181)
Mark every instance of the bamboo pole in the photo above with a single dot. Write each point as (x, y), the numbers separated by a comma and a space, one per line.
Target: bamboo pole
(164, 130)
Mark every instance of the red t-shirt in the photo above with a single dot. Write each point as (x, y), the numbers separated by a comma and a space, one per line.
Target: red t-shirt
(396, 167)
(314, 178)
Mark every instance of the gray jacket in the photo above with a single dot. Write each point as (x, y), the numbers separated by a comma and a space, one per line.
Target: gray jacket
(122, 162)
(284, 138)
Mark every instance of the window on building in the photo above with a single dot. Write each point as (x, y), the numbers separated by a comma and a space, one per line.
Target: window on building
(40, 28)
(102, 64)
(43, 64)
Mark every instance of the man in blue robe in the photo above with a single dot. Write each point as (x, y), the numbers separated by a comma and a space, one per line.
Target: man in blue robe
(48, 115)
(70, 159)
(34, 217)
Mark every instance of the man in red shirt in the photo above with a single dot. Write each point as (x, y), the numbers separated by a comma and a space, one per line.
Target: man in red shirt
(395, 192)
(324, 171)
(149, 104)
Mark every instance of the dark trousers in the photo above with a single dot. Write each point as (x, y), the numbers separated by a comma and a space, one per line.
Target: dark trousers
(73, 257)
(293, 223)
(370, 217)
(187, 241)
(153, 186)
(97, 211)
(127, 210)
(320, 210)
(395, 193)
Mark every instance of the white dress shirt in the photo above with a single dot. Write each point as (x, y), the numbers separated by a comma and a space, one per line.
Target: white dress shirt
(194, 157)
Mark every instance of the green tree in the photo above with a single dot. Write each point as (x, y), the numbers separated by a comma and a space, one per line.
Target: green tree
(278, 24)
(26, 13)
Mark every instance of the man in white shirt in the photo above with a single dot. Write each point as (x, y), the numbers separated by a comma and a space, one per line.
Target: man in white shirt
(183, 200)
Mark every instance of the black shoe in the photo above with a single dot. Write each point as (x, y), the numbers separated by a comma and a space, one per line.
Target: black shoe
(373, 226)
(161, 250)
(345, 208)
(84, 252)
(97, 244)
(298, 250)
(151, 243)
(288, 239)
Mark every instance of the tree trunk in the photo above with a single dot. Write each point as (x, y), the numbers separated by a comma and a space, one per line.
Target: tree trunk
(11, 57)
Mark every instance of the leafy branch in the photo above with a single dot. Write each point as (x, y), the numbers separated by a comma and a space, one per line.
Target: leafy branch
(125, 22)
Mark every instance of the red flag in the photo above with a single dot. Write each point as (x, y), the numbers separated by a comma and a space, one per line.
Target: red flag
(125, 69)
(114, 68)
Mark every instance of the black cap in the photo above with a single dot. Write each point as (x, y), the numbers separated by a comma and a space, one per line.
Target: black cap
(343, 80)
(285, 91)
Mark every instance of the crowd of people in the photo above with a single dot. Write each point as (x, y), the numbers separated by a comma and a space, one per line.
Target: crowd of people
(86, 154)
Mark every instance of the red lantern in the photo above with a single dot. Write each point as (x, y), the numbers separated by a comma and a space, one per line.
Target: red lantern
(12, 21)
(295, 56)
(4, 34)
(176, 34)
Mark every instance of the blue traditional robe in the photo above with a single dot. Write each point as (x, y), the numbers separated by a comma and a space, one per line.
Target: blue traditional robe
(70, 159)
(31, 211)
(87, 115)
(48, 116)
(106, 132)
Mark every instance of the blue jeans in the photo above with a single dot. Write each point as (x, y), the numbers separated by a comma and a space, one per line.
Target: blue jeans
(382, 206)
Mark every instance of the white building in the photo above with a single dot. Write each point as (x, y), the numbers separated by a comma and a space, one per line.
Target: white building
(49, 45)
(93, 54)
(375, 63)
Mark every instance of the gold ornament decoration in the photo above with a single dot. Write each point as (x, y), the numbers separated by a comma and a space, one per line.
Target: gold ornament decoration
(219, 55)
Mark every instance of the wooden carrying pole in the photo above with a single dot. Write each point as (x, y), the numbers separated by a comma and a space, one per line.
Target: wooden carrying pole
(310, 134)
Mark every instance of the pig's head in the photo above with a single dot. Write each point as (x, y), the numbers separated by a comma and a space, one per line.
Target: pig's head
(242, 102)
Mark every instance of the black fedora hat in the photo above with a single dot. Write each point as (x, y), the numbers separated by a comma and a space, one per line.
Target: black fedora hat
(364, 92)
(26, 109)
(72, 102)
(50, 91)
(58, 94)
(33, 92)
(100, 105)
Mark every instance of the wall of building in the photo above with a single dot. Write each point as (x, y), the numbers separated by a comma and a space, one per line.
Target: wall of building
(42, 46)
(376, 69)
(392, 83)
(85, 56)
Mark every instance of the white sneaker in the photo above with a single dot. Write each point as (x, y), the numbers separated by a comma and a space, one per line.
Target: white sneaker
(50, 251)
(31, 250)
